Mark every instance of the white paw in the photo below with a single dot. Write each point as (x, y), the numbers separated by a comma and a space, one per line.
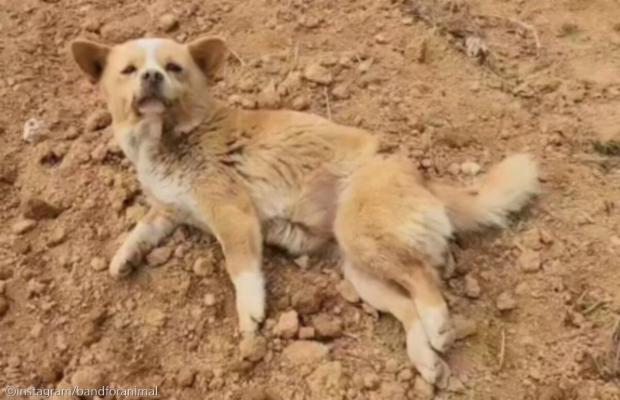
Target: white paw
(430, 366)
(250, 294)
(121, 264)
(438, 327)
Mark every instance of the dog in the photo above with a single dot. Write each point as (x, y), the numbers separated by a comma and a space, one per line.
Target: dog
(293, 180)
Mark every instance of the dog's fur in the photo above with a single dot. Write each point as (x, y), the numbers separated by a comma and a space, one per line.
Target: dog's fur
(289, 179)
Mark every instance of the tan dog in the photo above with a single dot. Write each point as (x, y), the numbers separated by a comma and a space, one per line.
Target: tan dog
(289, 179)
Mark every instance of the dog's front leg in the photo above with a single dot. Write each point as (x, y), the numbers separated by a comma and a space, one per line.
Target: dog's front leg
(233, 221)
(156, 225)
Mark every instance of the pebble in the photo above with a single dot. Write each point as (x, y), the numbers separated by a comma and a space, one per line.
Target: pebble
(454, 169)
(287, 325)
(347, 291)
(530, 261)
(155, 318)
(300, 103)
(307, 300)
(210, 299)
(34, 131)
(57, 236)
(253, 348)
(159, 256)
(371, 380)
(470, 168)
(506, 301)
(202, 267)
(317, 73)
(307, 332)
(405, 375)
(305, 352)
(4, 306)
(455, 385)
(185, 377)
(392, 390)
(302, 261)
(98, 264)
(269, 97)
(463, 327)
(168, 22)
(327, 326)
(23, 226)
(341, 91)
(422, 389)
(37, 209)
(472, 287)
(290, 84)
(98, 120)
(380, 38)
(87, 377)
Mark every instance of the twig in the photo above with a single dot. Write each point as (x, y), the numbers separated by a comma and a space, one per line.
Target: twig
(593, 307)
(237, 57)
(502, 350)
(295, 55)
(327, 104)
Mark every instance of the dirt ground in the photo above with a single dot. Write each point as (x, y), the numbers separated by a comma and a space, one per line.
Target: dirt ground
(456, 86)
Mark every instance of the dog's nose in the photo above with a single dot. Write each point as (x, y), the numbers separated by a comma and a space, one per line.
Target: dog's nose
(152, 77)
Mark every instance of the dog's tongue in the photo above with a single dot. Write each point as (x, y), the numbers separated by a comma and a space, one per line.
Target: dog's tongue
(151, 106)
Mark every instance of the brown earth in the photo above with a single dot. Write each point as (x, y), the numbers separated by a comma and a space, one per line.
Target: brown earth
(455, 87)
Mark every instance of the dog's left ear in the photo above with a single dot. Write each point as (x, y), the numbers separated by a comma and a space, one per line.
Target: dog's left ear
(209, 53)
(91, 57)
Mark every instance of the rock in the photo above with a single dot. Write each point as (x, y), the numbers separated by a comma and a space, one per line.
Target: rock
(203, 267)
(168, 22)
(530, 261)
(302, 261)
(326, 378)
(4, 306)
(34, 288)
(380, 38)
(247, 84)
(463, 327)
(392, 366)
(405, 375)
(87, 377)
(472, 287)
(185, 377)
(307, 300)
(57, 236)
(98, 120)
(305, 352)
(470, 168)
(290, 84)
(422, 389)
(371, 380)
(253, 348)
(341, 91)
(392, 390)
(327, 326)
(300, 103)
(455, 385)
(98, 264)
(159, 256)
(269, 97)
(34, 131)
(155, 318)
(317, 73)
(210, 300)
(506, 302)
(22, 226)
(37, 209)
(307, 332)
(347, 291)
(454, 169)
(49, 372)
(287, 325)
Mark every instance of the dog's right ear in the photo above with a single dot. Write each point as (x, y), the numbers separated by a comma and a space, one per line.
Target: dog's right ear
(91, 57)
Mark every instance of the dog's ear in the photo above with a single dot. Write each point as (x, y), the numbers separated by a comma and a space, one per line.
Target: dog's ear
(209, 53)
(91, 57)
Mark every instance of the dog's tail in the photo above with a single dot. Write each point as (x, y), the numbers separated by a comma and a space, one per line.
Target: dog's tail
(506, 188)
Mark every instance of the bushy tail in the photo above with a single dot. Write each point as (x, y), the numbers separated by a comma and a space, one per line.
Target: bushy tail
(506, 188)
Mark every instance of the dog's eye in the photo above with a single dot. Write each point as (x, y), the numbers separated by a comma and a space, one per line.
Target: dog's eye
(130, 69)
(173, 67)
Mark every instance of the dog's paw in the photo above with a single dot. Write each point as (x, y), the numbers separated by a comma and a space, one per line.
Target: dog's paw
(438, 327)
(250, 293)
(121, 264)
(428, 363)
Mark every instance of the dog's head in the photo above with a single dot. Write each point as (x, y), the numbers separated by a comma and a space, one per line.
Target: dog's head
(151, 76)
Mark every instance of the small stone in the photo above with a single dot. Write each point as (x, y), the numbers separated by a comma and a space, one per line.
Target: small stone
(472, 287)
(23, 226)
(87, 377)
(470, 168)
(155, 318)
(407, 21)
(307, 332)
(506, 302)
(185, 377)
(246, 84)
(98, 120)
(422, 389)
(287, 325)
(455, 385)
(305, 352)
(98, 264)
(4, 306)
(168, 22)
(290, 84)
(302, 261)
(300, 103)
(307, 300)
(463, 327)
(210, 299)
(405, 375)
(392, 390)
(269, 97)
(319, 74)
(371, 380)
(341, 91)
(159, 256)
(327, 326)
(37, 209)
(392, 366)
(57, 237)
(202, 267)
(50, 372)
(529, 261)
(253, 348)
(380, 38)
(454, 169)
(347, 291)
(34, 131)
(248, 103)
(365, 65)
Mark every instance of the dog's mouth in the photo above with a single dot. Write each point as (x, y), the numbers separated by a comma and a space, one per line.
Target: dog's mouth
(150, 104)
